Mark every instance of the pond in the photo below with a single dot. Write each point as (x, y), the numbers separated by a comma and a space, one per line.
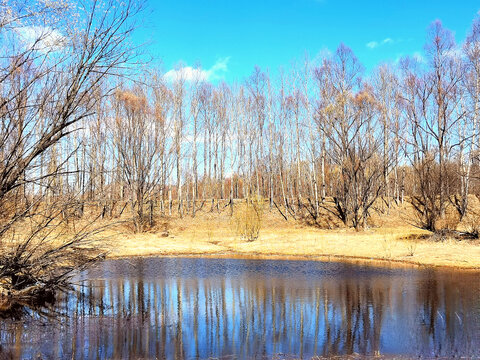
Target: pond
(236, 308)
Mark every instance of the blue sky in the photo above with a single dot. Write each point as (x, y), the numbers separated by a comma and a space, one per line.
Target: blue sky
(229, 38)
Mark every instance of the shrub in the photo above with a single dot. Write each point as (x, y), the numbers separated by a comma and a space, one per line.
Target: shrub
(248, 219)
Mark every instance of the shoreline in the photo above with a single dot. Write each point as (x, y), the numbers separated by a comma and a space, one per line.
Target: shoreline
(348, 259)
(389, 241)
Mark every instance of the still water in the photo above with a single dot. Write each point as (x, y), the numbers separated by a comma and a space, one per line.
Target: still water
(223, 308)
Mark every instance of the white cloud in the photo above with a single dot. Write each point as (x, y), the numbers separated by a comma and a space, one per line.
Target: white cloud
(456, 52)
(417, 55)
(324, 53)
(41, 38)
(375, 44)
(188, 73)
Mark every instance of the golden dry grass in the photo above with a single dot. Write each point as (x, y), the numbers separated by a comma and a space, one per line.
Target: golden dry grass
(390, 238)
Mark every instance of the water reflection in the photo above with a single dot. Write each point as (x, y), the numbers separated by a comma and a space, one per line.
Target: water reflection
(201, 308)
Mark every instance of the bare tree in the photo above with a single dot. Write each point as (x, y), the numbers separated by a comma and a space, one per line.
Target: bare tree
(431, 99)
(385, 87)
(138, 145)
(47, 86)
(348, 122)
(469, 127)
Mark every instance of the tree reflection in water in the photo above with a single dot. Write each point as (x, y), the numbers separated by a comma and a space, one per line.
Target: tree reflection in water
(200, 308)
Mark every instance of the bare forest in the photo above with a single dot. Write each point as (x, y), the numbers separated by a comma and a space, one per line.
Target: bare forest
(90, 131)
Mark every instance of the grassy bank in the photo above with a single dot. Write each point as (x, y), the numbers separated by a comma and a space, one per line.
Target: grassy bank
(391, 237)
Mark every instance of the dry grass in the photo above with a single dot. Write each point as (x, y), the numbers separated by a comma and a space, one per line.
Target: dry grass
(391, 238)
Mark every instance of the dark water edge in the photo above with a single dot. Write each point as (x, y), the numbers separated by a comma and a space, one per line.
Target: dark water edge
(190, 308)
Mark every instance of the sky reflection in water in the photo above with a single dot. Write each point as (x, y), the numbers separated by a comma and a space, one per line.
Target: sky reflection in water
(200, 308)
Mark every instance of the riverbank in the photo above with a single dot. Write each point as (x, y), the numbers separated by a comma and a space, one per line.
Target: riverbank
(390, 239)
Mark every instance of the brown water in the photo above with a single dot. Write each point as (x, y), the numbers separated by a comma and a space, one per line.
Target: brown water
(201, 308)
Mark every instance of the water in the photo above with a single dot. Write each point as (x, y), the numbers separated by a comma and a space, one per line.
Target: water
(224, 308)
